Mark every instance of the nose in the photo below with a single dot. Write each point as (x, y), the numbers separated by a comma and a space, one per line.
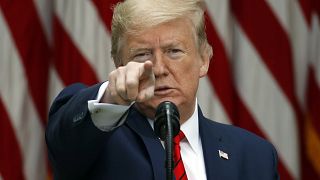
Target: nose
(160, 65)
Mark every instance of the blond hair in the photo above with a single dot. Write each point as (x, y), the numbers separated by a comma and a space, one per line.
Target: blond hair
(132, 16)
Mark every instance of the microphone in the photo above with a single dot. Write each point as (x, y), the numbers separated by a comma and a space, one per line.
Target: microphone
(166, 111)
(167, 126)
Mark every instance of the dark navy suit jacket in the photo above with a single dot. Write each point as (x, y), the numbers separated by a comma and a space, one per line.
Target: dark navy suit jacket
(78, 150)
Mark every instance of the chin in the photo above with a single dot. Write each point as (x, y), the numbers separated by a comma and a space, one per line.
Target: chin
(149, 107)
(155, 102)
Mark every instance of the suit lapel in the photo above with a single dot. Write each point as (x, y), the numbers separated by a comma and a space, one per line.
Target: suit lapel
(139, 124)
(212, 140)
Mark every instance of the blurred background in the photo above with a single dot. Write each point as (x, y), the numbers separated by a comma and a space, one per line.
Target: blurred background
(264, 76)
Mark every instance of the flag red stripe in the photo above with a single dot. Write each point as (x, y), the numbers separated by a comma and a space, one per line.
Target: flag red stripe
(306, 6)
(220, 76)
(313, 104)
(313, 99)
(219, 72)
(270, 40)
(104, 9)
(313, 92)
(29, 38)
(316, 7)
(69, 62)
(246, 121)
(272, 43)
(10, 155)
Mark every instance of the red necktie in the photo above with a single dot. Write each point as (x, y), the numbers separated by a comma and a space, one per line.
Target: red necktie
(179, 171)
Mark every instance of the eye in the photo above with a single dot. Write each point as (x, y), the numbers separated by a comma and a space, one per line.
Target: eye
(141, 57)
(175, 53)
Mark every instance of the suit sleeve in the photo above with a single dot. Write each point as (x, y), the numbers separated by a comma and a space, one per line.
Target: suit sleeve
(73, 141)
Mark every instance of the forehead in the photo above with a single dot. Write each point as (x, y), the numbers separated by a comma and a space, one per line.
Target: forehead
(179, 31)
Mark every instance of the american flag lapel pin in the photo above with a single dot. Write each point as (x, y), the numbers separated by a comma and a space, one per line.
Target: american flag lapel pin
(223, 155)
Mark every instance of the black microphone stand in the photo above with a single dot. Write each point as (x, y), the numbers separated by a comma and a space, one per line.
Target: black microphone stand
(167, 126)
(169, 149)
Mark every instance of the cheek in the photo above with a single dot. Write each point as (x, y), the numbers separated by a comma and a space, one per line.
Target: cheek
(188, 77)
(190, 71)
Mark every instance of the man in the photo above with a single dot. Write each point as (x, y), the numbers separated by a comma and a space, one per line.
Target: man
(106, 131)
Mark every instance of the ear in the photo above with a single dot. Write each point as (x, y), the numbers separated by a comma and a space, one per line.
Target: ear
(206, 54)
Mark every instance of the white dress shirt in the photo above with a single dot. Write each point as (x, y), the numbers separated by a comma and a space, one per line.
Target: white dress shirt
(191, 147)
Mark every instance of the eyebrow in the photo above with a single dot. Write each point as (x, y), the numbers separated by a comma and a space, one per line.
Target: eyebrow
(139, 49)
(164, 46)
(171, 45)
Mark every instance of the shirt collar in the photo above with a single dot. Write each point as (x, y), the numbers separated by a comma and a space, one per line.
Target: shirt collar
(190, 129)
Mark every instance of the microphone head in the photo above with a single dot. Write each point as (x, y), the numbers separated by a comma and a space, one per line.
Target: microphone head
(164, 111)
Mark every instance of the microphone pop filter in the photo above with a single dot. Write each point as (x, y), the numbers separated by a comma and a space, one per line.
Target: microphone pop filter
(166, 110)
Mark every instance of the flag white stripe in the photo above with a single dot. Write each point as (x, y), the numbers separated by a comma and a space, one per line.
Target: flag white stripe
(298, 35)
(44, 9)
(315, 46)
(270, 108)
(282, 10)
(219, 12)
(220, 16)
(210, 103)
(21, 110)
(289, 14)
(257, 87)
(91, 40)
(33, 143)
(55, 85)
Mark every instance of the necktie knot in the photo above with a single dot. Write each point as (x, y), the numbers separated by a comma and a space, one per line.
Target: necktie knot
(180, 136)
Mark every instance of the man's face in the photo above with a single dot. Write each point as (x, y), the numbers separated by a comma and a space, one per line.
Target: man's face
(177, 64)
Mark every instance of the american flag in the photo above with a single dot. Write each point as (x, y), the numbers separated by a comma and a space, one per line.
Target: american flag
(264, 76)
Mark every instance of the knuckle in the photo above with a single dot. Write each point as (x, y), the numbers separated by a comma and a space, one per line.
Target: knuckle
(121, 90)
(132, 94)
(150, 94)
(131, 63)
(132, 98)
(121, 68)
(131, 83)
(113, 94)
(112, 74)
(119, 71)
(147, 95)
(140, 98)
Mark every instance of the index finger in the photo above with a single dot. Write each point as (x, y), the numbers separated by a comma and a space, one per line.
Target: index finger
(146, 70)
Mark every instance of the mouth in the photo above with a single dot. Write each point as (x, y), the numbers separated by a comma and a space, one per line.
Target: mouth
(162, 90)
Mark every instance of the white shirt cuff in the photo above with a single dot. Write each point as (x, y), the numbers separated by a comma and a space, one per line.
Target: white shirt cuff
(106, 116)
